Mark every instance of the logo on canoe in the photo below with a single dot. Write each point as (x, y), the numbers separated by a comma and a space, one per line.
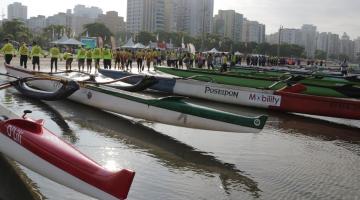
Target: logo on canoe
(257, 122)
(220, 91)
(89, 95)
(14, 133)
(265, 99)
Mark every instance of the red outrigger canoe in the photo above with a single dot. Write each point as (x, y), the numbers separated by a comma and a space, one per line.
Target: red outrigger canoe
(29, 143)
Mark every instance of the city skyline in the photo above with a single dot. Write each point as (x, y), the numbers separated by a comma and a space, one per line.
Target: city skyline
(288, 13)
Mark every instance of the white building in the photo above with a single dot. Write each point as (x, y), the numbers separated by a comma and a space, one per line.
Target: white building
(291, 36)
(64, 19)
(37, 24)
(347, 46)
(195, 16)
(253, 31)
(229, 23)
(333, 44)
(89, 12)
(309, 39)
(322, 41)
(145, 15)
(357, 47)
(112, 21)
(17, 11)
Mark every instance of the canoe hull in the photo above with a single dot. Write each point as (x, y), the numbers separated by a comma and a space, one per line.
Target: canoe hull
(27, 142)
(113, 100)
(273, 100)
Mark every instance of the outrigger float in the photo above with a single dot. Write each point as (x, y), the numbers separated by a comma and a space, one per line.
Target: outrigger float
(168, 110)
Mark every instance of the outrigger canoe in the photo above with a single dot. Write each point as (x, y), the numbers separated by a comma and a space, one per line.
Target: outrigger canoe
(168, 110)
(29, 143)
(329, 88)
(287, 99)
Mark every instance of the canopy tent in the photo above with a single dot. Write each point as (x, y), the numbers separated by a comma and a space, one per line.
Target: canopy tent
(129, 45)
(139, 46)
(213, 51)
(62, 39)
(238, 54)
(72, 41)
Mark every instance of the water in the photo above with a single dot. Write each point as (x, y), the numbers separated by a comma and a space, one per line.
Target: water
(294, 157)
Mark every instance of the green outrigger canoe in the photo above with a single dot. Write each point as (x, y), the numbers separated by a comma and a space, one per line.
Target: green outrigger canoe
(319, 86)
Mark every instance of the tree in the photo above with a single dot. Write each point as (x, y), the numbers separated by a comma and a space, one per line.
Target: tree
(320, 55)
(97, 30)
(54, 32)
(145, 37)
(16, 30)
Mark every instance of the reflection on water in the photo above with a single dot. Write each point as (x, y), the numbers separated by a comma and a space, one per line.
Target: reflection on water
(293, 158)
(168, 150)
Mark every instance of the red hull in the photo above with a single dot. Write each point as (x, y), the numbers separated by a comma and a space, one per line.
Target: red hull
(42, 143)
(316, 105)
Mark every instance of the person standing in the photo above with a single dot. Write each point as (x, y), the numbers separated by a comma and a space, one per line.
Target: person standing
(36, 51)
(224, 63)
(68, 57)
(107, 57)
(24, 53)
(81, 55)
(118, 58)
(54, 54)
(89, 55)
(148, 58)
(344, 68)
(97, 56)
(210, 61)
(8, 51)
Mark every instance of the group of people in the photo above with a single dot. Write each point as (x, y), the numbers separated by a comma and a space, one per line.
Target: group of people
(24, 52)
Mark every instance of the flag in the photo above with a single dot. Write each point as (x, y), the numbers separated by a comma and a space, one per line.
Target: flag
(113, 42)
(53, 33)
(87, 33)
(157, 37)
(101, 42)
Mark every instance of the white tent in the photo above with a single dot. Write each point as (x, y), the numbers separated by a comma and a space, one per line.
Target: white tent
(129, 45)
(139, 46)
(72, 41)
(213, 51)
(238, 54)
(62, 39)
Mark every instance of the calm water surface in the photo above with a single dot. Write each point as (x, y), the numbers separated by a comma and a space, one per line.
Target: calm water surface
(294, 157)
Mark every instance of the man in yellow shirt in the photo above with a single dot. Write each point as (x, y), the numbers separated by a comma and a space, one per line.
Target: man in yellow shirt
(35, 54)
(8, 51)
(54, 54)
(24, 53)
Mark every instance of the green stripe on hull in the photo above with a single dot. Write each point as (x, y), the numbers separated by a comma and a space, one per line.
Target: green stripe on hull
(245, 82)
(178, 105)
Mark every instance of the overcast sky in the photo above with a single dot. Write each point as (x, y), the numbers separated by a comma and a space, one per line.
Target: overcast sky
(335, 16)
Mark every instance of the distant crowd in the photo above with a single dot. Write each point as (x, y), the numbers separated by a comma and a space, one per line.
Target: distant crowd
(124, 59)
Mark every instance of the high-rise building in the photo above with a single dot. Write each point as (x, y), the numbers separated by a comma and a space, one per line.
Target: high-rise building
(112, 21)
(195, 16)
(145, 15)
(309, 39)
(61, 18)
(333, 44)
(170, 15)
(89, 12)
(346, 46)
(322, 42)
(17, 11)
(36, 24)
(228, 23)
(357, 47)
(291, 36)
(253, 31)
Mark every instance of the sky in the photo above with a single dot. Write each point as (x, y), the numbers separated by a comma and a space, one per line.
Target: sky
(337, 16)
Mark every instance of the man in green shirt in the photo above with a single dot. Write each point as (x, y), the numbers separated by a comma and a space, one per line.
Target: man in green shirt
(89, 56)
(97, 56)
(54, 54)
(35, 54)
(107, 56)
(8, 51)
(24, 53)
(81, 55)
